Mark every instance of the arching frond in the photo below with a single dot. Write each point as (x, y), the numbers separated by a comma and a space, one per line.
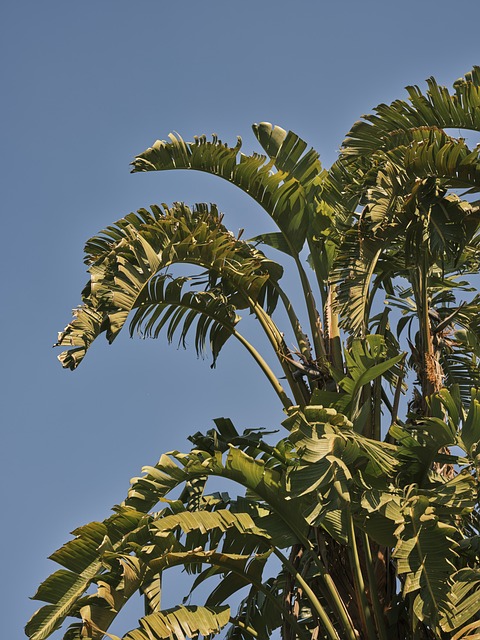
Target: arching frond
(425, 571)
(437, 108)
(217, 532)
(433, 153)
(181, 622)
(82, 564)
(125, 262)
(290, 195)
(287, 150)
(280, 193)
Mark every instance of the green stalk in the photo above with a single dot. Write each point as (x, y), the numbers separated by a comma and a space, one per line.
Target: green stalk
(271, 377)
(301, 338)
(377, 608)
(377, 408)
(332, 328)
(334, 338)
(398, 391)
(425, 332)
(377, 383)
(374, 396)
(364, 397)
(339, 606)
(266, 370)
(322, 614)
(329, 587)
(313, 315)
(317, 267)
(363, 606)
(420, 290)
(367, 294)
(278, 344)
(250, 630)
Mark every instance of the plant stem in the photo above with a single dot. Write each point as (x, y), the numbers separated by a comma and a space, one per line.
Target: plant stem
(279, 390)
(398, 391)
(322, 614)
(321, 273)
(301, 338)
(313, 315)
(363, 606)
(377, 408)
(367, 294)
(278, 344)
(335, 344)
(377, 608)
(331, 591)
(250, 630)
(377, 384)
(327, 294)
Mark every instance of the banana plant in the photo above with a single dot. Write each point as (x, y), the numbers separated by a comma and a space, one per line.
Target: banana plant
(369, 503)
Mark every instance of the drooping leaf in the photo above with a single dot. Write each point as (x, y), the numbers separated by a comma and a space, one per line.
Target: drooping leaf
(181, 622)
(437, 108)
(275, 240)
(425, 554)
(125, 263)
(464, 599)
(82, 558)
(165, 303)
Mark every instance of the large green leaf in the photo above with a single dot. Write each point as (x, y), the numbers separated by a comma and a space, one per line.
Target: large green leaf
(280, 193)
(354, 298)
(82, 558)
(287, 151)
(366, 360)
(425, 555)
(381, 514)
(437, 108)
(181, 622)
(464, 599)
(204, 521)
(330, 455)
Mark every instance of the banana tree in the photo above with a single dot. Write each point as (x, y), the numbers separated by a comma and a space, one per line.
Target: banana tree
(369, 503)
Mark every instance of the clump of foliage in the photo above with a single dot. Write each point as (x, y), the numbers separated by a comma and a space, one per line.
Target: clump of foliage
(369, 502)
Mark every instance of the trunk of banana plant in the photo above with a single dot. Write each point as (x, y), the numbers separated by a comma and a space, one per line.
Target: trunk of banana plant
(430, 372)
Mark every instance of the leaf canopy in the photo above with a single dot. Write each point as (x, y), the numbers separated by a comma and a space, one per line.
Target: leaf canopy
(369, 501)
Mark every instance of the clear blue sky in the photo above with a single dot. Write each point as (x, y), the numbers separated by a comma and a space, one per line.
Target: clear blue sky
(86, 86)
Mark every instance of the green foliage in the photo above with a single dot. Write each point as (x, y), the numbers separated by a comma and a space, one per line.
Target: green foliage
(369, 503)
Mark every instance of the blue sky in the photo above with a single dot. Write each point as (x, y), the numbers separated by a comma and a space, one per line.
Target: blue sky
(88, 85)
